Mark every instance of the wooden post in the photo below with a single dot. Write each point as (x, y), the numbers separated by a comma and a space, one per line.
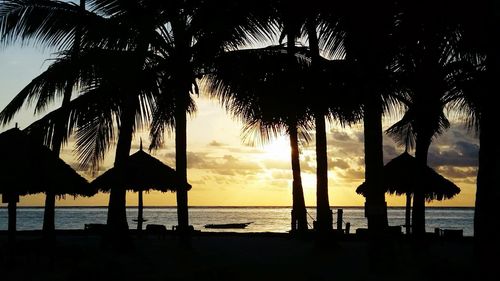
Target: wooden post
(139, 212)
(294, 221)
(12, 200)
(408, 214)
(340, 214)
(347, 227)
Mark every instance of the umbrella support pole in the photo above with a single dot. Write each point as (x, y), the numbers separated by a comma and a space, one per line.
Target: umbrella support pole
(408, 213)
(140, 212)
(12, 209)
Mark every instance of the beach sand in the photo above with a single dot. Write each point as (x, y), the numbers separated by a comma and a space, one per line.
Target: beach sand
(80, 256)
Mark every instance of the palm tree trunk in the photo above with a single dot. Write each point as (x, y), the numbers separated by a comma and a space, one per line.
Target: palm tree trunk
(181, 165)
(57, 140)
(418, 216)
(117, 215)
(59, 132)
(48, 227)
(324, 214)
(299, 213)
(486, 212)
(408, 213)
(183, 86)
(375, 205)
(488, 186)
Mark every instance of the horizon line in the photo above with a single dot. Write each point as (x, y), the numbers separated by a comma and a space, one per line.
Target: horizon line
(212, 206)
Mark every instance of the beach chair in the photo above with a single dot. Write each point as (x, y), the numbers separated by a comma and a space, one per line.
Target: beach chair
(453, 233)
(158, 229)
(95, 227)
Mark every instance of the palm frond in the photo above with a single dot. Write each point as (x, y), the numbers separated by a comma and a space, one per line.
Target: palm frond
(403, 131)
(46, 22)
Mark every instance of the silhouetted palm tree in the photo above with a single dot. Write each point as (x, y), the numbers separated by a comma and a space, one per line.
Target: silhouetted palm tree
(426, 64)
(474, 96)
(265, 89)
(196, 32)
(324, 214)
(289, 20)
(299, 21)
(362, 32)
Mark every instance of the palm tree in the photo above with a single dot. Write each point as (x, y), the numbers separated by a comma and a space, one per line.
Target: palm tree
(192, 38)
(298, 21)
(367, 44)
(426, 62)
(58, 138)
(474, 98)
(324, 214)
(253, 85)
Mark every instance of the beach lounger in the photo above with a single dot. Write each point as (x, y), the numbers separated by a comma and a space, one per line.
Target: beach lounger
(95, 227)
(158, 229)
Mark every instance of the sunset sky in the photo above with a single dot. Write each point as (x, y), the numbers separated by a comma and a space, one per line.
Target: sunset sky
(224, 171)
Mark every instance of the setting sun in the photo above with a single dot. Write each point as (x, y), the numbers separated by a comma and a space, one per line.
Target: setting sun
(278, 149)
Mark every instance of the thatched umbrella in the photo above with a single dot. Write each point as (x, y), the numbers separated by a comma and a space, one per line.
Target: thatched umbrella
(141, 172)
(404, 174)
(28, 167)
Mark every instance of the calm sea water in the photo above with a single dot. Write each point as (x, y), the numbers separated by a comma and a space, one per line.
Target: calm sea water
(265, 219)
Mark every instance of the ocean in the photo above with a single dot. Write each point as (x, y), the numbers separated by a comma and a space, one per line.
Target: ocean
(264, 219)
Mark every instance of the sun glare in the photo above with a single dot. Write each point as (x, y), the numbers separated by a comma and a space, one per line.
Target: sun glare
(278, 149)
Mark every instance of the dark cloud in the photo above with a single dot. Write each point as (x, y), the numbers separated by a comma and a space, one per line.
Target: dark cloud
(460, 154)
(390, 152)
(468, 149)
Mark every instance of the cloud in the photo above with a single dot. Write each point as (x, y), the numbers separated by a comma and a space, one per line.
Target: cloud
(457, 172)
(280, 174)
(227, 165)
(340, 136)
(277, 164)
(338, 163)
(353, 174)
(460, 154)
(390, 152)
(215, 143)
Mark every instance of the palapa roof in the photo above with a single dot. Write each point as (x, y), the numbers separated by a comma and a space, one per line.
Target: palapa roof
(405, 174)
(28, 167)
(141, 172)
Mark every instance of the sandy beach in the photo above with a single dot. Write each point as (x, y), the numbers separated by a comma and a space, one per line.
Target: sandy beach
(229, 256)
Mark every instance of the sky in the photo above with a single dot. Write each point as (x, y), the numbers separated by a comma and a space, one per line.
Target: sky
(225, 171)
